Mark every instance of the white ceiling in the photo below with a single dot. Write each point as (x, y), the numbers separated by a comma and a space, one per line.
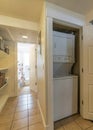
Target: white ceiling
(79, 6)
(15, 34)
(23, 9)
(31, 9)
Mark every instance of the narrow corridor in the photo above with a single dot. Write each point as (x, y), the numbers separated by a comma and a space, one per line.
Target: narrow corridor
(21, 113)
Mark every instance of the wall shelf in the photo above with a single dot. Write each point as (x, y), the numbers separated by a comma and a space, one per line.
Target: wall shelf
(3, 54)
(3, 69)
(5, 85)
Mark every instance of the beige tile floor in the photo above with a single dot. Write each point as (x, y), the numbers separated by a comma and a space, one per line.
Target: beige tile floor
(21, 113)
(75, 122)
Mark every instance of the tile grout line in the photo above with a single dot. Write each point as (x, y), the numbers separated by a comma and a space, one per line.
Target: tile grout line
(13, 116)
(78, 125)
(82, 128)
(29, 115)
(89, 127)
(28, 124)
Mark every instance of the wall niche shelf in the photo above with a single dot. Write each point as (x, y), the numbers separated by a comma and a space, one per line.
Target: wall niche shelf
(3, 89)
(3, 69)
(3, 54)
(5, 85)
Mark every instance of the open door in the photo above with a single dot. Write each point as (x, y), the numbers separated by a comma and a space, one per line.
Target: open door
(87, 101)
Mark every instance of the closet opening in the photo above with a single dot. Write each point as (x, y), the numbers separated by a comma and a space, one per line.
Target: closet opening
(66, 71)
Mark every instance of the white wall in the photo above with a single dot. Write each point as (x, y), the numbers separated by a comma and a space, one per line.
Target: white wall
(89, 16)
(65, 15)
(41, 67)
(14, 22)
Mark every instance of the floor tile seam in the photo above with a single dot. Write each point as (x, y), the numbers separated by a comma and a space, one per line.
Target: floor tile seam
(22, 101)
(32, 101)
(89, 127)
(16, 112)
(78, 125)
(64, 128)
(35, 123)
(29, 115)
(22, 128)
(68, 118)
(13, 117)
(35, 114)
(32, 107)
(21, 110)
(21, 107)
(22, 96)
(21, 118)
(76, 117)
(19, 101)
(59, 127)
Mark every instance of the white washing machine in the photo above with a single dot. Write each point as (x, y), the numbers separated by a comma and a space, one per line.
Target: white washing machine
(65, 96)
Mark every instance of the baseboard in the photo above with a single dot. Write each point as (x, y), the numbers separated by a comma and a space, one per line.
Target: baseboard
(43, 120)
(3, 101)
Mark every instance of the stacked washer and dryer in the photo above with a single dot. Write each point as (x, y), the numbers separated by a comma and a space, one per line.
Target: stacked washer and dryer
(65, 83)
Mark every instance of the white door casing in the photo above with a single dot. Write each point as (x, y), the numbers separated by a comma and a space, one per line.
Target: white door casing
(88, 72)
(33, 70)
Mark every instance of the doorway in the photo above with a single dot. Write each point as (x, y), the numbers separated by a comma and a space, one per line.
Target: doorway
(26, 61)
(66, 71)
(60, 26)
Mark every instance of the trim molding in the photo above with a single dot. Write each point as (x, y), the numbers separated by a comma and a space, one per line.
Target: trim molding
(3, 102)
(43, 120)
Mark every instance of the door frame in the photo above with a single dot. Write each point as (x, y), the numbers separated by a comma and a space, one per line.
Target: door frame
(87, 113)
(49, 51)
(16, 70)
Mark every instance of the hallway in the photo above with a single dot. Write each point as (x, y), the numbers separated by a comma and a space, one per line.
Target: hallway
(21, 113)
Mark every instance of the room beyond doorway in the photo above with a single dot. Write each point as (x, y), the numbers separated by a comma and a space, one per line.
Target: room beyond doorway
(26, 61)
(23, 58)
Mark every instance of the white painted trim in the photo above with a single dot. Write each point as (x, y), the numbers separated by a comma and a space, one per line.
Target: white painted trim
(56, 13)
(50, 67)
(15, 22)
(16, 72)
(63, 14)
(3, 101)
(81, 65)
(43, 120)
(49, 73)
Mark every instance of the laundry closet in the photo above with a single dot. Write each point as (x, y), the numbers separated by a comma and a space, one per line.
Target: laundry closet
(66, 71)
